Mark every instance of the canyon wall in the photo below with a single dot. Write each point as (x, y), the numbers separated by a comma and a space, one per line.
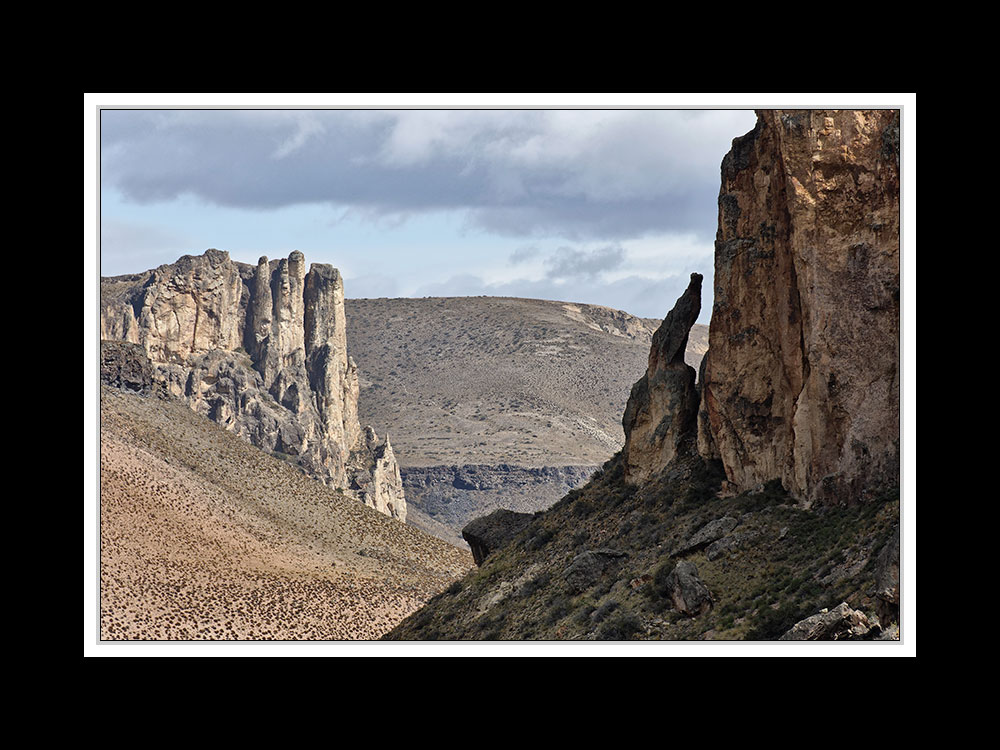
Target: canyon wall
(452, 496)
(261, 350)
(801, 378)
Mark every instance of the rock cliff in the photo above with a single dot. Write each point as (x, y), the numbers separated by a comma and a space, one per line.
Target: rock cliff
(261, 350)
(801, 379)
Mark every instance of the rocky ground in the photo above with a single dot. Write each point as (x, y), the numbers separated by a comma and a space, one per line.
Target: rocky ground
(204, 536)
(675, 560)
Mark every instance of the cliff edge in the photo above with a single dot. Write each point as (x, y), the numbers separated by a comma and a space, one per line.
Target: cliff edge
(801, 376)
(261, 350)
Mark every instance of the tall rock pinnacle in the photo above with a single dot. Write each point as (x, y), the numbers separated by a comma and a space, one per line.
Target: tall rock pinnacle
(662, 410)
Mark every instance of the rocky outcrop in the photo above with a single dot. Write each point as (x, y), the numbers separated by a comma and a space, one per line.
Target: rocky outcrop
(661, 415)
(489, 533)
(842, 623)
(801, 379)
(588, 567)
(375, 478)
(710, 532)
(262, 350)
(126, 367)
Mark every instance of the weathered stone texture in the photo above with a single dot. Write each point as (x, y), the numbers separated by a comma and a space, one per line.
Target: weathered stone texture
(662, 410)
(489, 533)
(801, 379)
(262, 351)
(126, 366)
(842, 623)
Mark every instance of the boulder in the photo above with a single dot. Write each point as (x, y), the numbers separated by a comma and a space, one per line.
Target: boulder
(685, 589)
(487, 534)
(707, 534)
(588, 567)
(841, 623)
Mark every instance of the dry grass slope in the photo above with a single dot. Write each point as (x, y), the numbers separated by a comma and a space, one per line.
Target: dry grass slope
(206, 537)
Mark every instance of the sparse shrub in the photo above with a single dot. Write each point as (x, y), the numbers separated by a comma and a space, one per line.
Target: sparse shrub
(559, 607)
(660, 575)
(771, 624)
(582, 617)
(538, 582)
(601, 613)
(539, 539)
(621, 627)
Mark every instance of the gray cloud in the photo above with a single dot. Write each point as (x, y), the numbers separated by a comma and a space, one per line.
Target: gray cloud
(523, 254)
(580, 174)
(569, 263)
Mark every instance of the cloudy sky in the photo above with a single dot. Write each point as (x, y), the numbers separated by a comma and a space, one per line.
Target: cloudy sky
(612, 207)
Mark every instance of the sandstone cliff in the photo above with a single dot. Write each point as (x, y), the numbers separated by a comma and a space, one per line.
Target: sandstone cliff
(261, 350)
(802, 374)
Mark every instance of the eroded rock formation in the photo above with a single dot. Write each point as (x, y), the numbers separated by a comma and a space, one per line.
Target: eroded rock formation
(801, 380)
(489, 533)
(262, 350)
(842, 623)
(661, 414)
(126, 366)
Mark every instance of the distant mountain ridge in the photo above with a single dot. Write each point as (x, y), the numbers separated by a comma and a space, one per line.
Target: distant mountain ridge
(491, 380)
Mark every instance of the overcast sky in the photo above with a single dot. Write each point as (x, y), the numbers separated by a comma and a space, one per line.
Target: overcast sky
(612, 207)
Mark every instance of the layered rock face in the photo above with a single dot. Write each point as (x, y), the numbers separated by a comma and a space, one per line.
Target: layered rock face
(263, 351)
(126, 366)
(801, 380)
(661, 415)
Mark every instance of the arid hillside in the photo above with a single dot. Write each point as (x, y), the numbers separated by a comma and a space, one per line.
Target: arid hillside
(499, 380)
(204, 536)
